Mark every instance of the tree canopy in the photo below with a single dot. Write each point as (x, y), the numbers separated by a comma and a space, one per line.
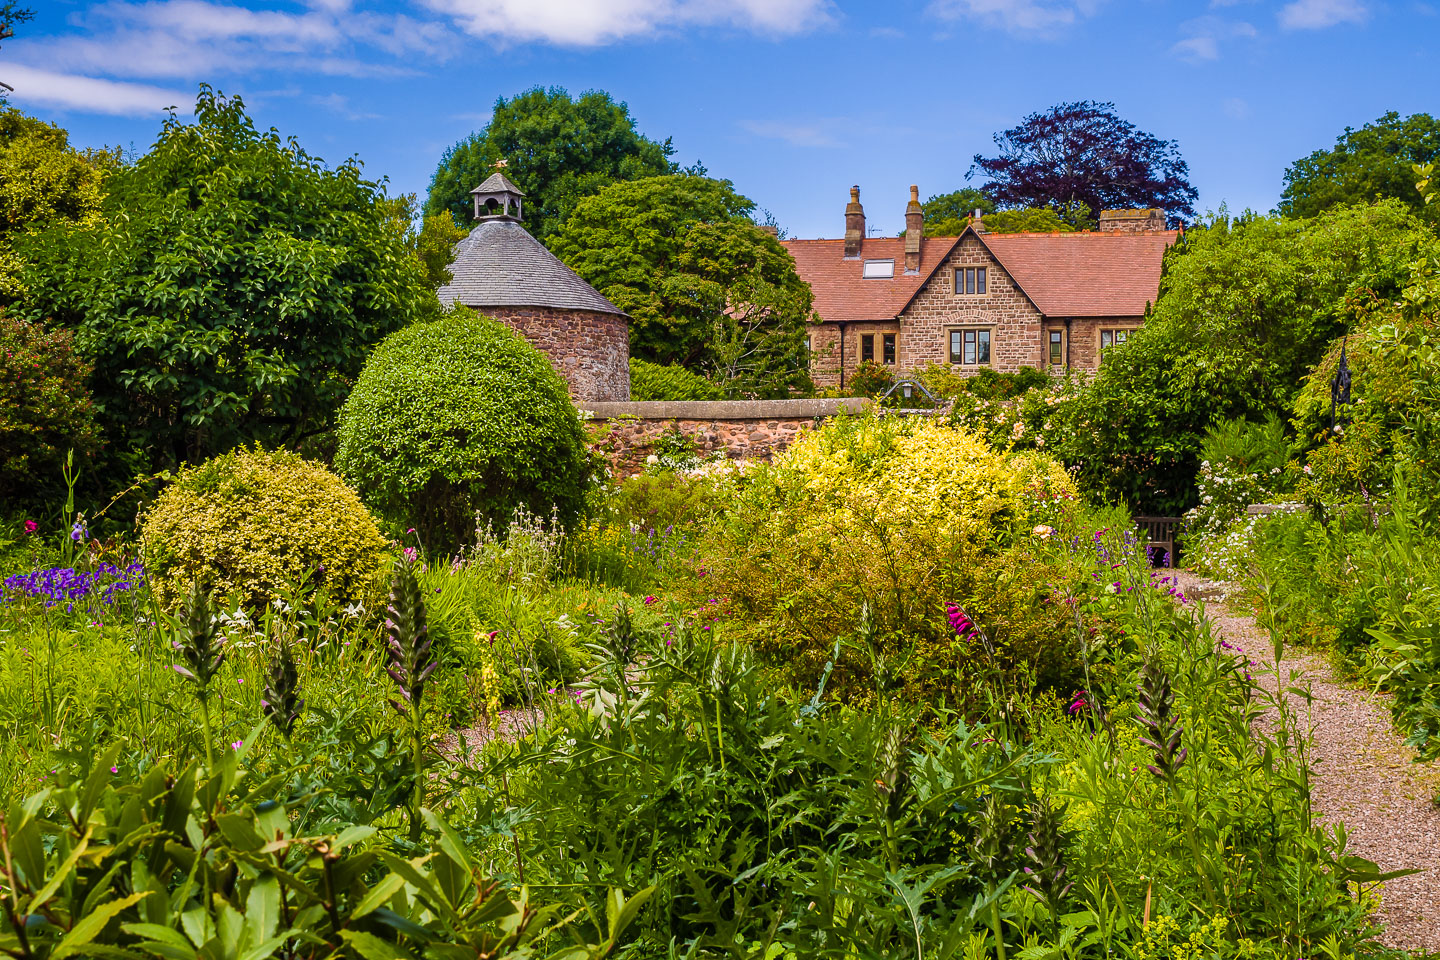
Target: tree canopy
(1246, 308)
(1372, 163)
(1083, 153)
(556, 149)
(43, 180)
(703, 285)
(230, 290)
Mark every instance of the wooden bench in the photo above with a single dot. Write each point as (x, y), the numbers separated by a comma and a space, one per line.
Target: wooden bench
(1159, 534)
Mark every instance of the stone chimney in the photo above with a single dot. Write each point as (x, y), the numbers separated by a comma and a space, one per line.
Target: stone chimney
(854, 224)
(914, 230)
(977, 222)
(1132, 221)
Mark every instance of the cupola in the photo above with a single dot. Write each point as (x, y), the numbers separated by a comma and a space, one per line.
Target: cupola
(498, 199)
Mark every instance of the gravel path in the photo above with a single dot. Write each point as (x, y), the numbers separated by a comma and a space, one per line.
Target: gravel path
(1362, 775)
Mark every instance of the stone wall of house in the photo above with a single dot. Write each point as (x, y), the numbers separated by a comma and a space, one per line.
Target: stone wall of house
(1085, 335)
(740, 429)
(1016, 339)
(825, 349)
(591, 350)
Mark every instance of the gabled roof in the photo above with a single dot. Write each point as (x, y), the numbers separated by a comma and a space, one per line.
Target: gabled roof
(500, 265)
(843, 295)
(497, 182)
(1106, 274)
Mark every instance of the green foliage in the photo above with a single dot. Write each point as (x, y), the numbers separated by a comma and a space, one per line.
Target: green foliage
(45, 409)
(435, 245)
(704, 286)
(1019, 220)
(557, 149)
(654, 381)
(870, 379)
(231, 292)
(458, 417)
(43, 180)
(865, 530)
(1375, 162)
(259, 524)
(186, 862)
(1246, 308)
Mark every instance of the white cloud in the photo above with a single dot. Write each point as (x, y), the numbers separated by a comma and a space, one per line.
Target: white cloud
(1033, 17)
(589, 23)
(193, 39)
(822, 133)
(90, 94)
(1318, 14)
(1205, 35)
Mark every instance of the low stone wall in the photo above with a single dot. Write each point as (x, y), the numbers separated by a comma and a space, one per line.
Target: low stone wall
(741, 429)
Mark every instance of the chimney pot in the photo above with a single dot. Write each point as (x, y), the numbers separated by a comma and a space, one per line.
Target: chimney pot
(977, 222)
(854, 224)
(914, 230)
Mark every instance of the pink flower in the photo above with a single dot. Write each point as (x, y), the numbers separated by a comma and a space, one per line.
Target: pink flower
(236, 745)
(411, 553)
(31, 526)
(650, 600)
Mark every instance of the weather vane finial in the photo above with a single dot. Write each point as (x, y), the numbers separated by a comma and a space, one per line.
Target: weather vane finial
(501, 164)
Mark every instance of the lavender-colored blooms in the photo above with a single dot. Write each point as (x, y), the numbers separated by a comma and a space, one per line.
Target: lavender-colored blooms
(65, 584)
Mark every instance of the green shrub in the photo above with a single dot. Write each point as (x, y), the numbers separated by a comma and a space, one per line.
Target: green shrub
(899, 518)
(870, 379)
(261, 523)
(45, 407)
(656, 381)
(461, 417)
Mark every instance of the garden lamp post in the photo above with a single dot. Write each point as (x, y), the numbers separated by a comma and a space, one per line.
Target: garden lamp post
(1339, 388)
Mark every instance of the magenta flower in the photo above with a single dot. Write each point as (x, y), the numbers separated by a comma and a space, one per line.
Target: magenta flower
(650, 600)
(963, 626)
(31, 526)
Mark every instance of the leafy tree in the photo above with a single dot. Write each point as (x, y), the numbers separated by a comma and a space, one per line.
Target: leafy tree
(703, 285)
(232, 290)
(1372, 163)
(43, 180)
(556, 149)
(1020, 220)
(45, 408)
(1082, 152)
(1246, 308)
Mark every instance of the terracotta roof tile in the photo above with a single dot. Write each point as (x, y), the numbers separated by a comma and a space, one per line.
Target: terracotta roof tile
(842, 294)
(1084, 274)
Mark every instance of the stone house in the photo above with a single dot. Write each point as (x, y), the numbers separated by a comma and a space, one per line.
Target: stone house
(1004, 301)
(500, 270)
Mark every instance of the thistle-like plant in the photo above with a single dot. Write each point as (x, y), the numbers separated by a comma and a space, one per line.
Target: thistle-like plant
(408, 642)
(1157, 718)
(991, 849)
(282, 703)
(199, 643)
(1046, 857)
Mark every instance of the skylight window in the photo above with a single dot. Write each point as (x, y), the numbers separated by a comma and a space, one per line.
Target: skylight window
(878, 269)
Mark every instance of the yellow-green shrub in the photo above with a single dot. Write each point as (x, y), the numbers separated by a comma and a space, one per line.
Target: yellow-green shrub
(258, 523)
(904, 516)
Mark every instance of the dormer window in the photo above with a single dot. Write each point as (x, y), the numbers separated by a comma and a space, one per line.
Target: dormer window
(878, 269)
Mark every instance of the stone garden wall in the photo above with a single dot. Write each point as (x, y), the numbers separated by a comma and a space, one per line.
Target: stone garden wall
(742, 429)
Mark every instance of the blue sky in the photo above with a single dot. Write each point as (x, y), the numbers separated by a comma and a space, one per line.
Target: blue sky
(793, 100)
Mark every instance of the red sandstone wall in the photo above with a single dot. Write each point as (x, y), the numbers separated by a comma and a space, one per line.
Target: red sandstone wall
(626, 443)
(590, 350)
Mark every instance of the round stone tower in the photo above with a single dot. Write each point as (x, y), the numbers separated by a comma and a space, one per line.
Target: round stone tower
(503, 272)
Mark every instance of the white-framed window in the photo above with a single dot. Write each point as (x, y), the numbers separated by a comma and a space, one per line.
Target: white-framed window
(971, 281)
(970, 346)
(878, 269)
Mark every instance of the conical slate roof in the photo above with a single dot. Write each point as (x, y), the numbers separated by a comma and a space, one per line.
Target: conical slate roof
(497, 182)
(501, 265)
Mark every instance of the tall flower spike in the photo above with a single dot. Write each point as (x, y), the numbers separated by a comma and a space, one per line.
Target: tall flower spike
(1157, 718)
(199, 641)
(406, 638)
(282, 702)
(1045, 857)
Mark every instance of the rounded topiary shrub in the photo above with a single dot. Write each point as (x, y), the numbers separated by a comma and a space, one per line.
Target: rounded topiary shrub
(260, 524)
(458, 417)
